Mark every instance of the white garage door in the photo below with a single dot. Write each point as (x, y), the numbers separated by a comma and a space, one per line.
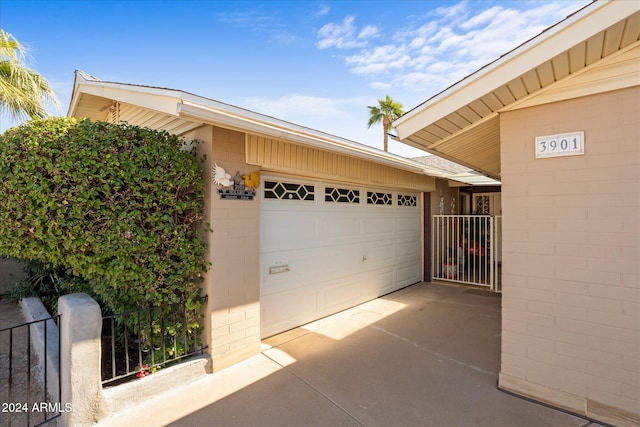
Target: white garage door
(328, 247)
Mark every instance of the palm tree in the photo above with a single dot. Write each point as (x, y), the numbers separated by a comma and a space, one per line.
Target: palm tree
(386, 112)
(23, 92)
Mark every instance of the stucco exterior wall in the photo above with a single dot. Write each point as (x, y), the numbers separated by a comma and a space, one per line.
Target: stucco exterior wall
(571, 250)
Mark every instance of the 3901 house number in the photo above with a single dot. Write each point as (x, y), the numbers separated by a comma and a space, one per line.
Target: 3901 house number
(564, 144)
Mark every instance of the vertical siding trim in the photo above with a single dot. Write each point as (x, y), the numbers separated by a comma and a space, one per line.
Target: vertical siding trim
(286, 157)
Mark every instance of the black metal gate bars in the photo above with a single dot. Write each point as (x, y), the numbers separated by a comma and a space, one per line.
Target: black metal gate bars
(29, 393)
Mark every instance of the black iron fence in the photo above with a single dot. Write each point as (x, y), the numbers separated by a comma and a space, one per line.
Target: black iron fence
(137, 343)
(29, 393)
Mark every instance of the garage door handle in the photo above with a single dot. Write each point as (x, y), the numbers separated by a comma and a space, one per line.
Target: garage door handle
(364, 258)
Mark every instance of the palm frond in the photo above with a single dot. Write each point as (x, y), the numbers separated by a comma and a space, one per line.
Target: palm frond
(10, 48)
(23, 92)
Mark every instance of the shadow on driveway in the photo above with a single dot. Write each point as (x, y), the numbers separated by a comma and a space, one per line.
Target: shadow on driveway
(427, 355)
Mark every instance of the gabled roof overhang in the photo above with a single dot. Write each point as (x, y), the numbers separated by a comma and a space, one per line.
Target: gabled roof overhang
(462, 123)
(181, 112)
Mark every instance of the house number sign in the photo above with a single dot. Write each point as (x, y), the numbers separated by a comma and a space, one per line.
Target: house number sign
(564, 144)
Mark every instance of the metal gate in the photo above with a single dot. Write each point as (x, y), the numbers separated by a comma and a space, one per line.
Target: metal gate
(29, 391)
(467, 249)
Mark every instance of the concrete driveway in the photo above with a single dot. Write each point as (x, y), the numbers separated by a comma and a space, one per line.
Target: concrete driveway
(427, 355)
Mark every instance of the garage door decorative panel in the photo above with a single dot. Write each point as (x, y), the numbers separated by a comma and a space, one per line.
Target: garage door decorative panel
(288, 191)
(375, 198)
(341, 195)
(407, 200)
(339, 250)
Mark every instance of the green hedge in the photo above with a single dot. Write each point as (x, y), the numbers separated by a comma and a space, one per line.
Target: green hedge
(118, 206)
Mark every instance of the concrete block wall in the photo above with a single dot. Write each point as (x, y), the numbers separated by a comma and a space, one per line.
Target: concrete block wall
(571, 255)
(83, 400)
(80, 326)
(232, 322)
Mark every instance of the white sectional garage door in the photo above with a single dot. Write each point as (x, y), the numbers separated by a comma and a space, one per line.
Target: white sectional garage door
(328, 247)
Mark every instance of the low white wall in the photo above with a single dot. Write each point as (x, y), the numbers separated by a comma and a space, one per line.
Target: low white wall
(84, 402)
(127, 396)
(80, 330)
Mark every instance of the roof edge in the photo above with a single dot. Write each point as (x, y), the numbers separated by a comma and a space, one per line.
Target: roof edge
(188, 105)
(247, 120)
(513, 63)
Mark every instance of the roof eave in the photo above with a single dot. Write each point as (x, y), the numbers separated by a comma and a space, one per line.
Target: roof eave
(204, 110)
(545, 46)
(274, 128)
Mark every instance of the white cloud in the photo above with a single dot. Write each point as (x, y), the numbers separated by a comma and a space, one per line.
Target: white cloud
(482, 18)
(381, 86)
(295, 106)
(378, 60)
(283, 38)
(345, 35)
(268, 25)
(452, 12)
(444, 45)
(417, 43)
(324, 10)
(367, 32)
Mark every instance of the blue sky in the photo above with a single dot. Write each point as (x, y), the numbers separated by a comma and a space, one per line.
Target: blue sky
(314, 63)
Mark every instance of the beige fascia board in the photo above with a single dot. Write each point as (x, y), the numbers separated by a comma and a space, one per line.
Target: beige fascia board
(78, 79)
(155, 99)
(547, 45)
(160, 103)
(73, 105)
(247, 121)
(143, 90)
